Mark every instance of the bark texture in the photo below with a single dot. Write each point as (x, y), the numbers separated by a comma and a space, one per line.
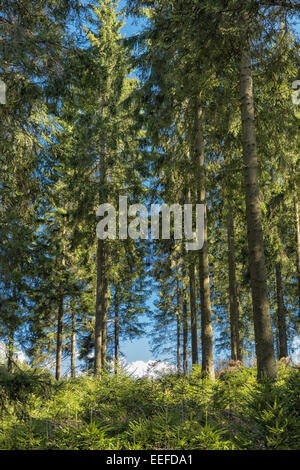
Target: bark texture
(194, 334)
(59, 335)
(236, 354)
(117, 330)
(10, 351)
(178, 324)
(206, 316)
(100, 309)
(264, 341)
(102, 282)
(296, 203)
(185, 334)
(281, 320)
(73, 344)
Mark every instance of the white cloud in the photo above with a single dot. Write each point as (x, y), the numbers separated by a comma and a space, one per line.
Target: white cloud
(18, 355)
(296, 351)
(151, 369)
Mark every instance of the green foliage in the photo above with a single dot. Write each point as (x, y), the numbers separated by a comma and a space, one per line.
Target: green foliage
(109, 412)
(275, 409)
(79, 129)
(21, 391)
(87, 437)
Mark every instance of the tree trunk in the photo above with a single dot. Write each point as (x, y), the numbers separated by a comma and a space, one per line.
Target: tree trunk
(102, 286)
(11, 339)
(59, 336)
(117, 331)
(297, 248)
(206, 317)
(73, 344)
(178, 322)
(10, 351)
(185, 337)
(105, 308)
(233, 298)
(281, 321)
(264, 341)
(193, 313)
(99, 307)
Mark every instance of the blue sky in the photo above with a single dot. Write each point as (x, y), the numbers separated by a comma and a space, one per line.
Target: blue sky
(140, 349)
(132, 25)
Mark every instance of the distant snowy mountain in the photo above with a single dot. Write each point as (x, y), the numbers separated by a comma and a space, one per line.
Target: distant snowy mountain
(151, 369)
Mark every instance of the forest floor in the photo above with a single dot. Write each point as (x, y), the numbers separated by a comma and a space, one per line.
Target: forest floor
(113, 413)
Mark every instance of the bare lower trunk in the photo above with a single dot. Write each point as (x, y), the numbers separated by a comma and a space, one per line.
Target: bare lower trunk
(11, 339)
(102, 282)
(185, 334)
(116, 331)
(297, 248)
(281, 320)
(185, 324)
(178, 324)
(105, 308)
(193, 314)
(206, 317)
(233, 298)
(264, 341)
(99, 307)
(59, 336)
(73, 345)
(10, 351)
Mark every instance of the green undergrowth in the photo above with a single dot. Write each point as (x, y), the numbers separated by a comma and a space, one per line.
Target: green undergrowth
(112, 413)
